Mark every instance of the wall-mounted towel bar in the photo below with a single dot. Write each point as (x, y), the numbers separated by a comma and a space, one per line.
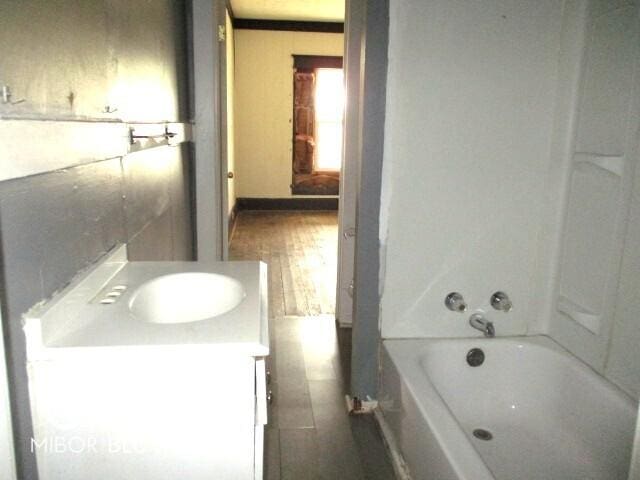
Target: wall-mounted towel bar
(143, 136)
(166, 135)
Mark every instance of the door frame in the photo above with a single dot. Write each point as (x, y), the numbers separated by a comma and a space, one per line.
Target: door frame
(350, 160)
(371, 34)
(206, 16)
(373, 37)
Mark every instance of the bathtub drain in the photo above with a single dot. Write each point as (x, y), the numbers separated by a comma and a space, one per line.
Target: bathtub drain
(482, 434)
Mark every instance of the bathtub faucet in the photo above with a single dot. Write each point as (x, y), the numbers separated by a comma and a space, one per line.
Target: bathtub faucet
(501, 301)
(478, 322)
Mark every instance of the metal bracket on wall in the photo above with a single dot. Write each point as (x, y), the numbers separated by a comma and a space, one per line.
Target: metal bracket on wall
(7, 95)
(143, 136)
(133, 137)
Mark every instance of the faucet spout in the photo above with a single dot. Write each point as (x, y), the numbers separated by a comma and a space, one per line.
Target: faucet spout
(490, 330)
(478, 322)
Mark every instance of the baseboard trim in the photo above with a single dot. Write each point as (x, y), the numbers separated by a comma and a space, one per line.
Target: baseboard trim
(288, 25)
(287, 203)
(232, 220)
(400, 468)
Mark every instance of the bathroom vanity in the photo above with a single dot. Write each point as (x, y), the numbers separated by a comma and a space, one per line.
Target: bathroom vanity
(151, 370)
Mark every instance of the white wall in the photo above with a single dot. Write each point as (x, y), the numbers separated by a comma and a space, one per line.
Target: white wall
(264, 106)
(468, 179)
(596, 303)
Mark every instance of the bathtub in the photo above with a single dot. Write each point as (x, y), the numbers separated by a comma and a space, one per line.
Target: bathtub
(549, 416)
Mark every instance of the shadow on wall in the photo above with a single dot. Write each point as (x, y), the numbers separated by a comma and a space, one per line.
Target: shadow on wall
(115, 60)
(56, 224)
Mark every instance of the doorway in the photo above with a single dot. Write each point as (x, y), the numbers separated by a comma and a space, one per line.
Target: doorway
(287, 149)
(309, 434)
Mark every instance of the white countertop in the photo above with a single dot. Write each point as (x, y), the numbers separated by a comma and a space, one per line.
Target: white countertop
(74, 320)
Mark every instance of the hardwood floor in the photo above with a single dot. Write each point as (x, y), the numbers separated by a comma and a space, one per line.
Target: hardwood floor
(301, 251)
(309, 435)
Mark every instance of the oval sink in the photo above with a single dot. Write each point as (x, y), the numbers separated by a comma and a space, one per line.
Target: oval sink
(185, 297)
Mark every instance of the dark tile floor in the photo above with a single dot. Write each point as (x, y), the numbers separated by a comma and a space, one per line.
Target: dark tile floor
(309, 435)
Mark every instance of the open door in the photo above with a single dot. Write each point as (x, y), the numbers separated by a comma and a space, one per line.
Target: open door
(225, 42)
(209, 111)
(350, 163)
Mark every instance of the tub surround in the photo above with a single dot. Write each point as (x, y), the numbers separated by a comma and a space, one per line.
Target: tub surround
(517, 135)
(548, 97)
(467, 138)
(595, 300)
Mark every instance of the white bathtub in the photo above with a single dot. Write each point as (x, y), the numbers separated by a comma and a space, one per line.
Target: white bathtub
(551, 416)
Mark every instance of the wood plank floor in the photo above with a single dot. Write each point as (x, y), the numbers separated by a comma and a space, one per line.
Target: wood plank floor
(301, 248)
(309, 435)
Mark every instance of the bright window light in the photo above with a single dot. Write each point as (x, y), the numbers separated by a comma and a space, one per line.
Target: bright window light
(329, 107)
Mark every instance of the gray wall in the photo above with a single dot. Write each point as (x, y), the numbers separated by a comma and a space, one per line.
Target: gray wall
(69, 59)
(366, 300)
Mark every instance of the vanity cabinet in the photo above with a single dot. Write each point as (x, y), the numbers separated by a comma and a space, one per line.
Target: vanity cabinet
(129, 379)
(149, 416)
(152, 416)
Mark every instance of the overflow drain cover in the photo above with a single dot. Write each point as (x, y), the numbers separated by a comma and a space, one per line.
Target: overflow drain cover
(475, 357)
(482, 434)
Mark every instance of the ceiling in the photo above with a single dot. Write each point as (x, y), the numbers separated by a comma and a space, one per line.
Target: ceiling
(298, 10)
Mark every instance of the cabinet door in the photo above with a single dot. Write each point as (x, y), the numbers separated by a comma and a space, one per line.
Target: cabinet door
(148, 417)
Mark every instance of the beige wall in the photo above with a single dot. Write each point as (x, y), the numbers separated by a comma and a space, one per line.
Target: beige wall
(263, 106)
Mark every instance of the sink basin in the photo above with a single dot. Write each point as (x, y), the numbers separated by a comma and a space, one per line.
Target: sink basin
(185, 297)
